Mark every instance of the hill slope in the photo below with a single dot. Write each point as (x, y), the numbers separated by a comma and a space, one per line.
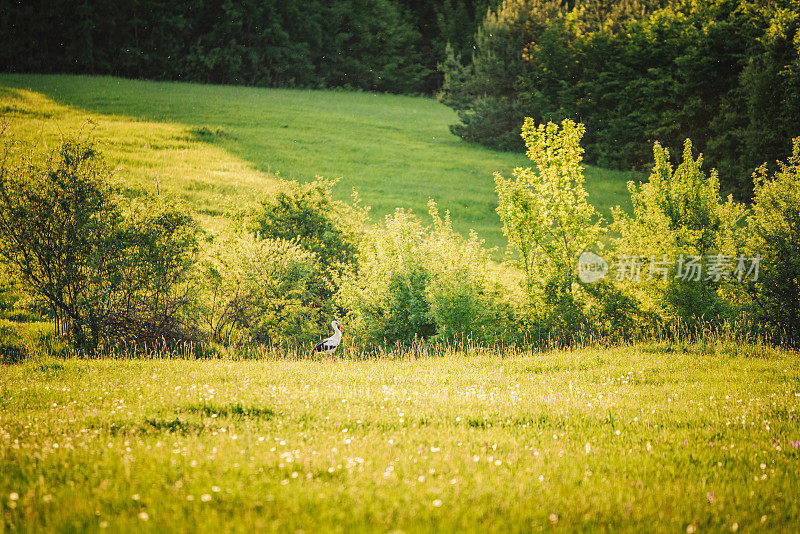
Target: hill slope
(217, 144)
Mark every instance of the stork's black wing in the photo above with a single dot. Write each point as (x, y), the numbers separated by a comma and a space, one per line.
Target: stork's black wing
(323, 346)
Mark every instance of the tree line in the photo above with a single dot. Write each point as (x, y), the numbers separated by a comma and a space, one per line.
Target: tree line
(375, 45)
(725, 73)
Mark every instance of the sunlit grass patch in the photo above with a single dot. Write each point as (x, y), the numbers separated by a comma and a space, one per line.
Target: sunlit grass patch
(150, 155)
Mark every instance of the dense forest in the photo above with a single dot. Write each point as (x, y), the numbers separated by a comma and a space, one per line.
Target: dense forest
(724, 73)
(376, 45)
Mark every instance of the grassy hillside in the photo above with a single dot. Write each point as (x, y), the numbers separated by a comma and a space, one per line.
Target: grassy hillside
(648, 438)
(218, 144)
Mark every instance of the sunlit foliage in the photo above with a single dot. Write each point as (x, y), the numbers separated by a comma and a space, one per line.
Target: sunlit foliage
(546, 215)
(108, 268)
(774, 234)
(258, 291)
(679, 213)
(415, 282)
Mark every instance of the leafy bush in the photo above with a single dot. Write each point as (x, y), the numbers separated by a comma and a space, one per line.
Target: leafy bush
(328, 230)
(415, 282)
(258, 290)
(106, 267)
(679, 212)
(774, 235)
(308, 214)
(545, 214)
(548, 220)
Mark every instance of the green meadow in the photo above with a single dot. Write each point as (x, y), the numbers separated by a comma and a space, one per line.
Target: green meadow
(220, 146)
(657, 438)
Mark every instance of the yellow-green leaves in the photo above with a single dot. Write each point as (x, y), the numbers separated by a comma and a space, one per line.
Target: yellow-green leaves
(545, 212)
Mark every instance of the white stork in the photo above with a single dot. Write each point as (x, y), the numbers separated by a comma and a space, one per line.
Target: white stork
(329, 345)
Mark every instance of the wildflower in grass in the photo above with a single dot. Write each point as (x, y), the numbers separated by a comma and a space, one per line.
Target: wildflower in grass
(205, 497)
(13, 496)
(437, 503)
(143, 516)
(734, 527)
(710, 497)
(553, 518)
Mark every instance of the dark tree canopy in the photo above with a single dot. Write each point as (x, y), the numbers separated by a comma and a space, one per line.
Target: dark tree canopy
(724, 73)
(375, 45)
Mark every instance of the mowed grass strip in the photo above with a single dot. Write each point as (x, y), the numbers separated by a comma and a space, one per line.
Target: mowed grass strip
(625, 439)
(396, 151)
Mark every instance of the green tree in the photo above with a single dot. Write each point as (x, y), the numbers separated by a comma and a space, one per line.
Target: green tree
(679, 215)
(774, 235)
(546, 215)
(106, 268)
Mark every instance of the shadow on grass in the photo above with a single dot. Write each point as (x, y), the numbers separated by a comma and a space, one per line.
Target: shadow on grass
(205, 134)
(229, 410)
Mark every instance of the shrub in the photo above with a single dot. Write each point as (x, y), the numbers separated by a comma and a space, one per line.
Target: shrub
(105, 267)
(414, 282)
(545, 214)
(328, 230)
(774, 235)
(258, 290)
(150, 285)
(679, 212)
(308, 214)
